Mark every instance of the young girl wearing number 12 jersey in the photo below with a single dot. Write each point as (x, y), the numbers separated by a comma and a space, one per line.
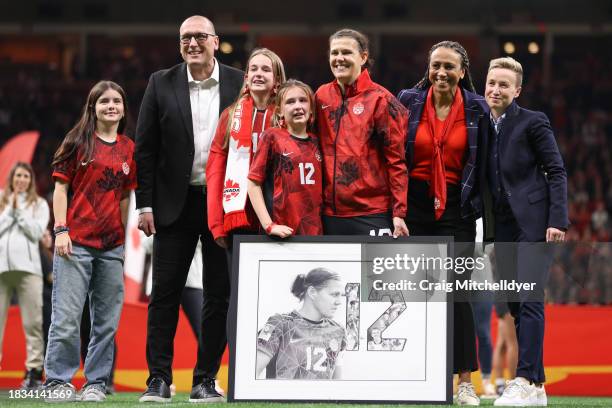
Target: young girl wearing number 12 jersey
(291, 156)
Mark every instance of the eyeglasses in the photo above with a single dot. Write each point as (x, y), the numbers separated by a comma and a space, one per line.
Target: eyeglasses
(199, 37)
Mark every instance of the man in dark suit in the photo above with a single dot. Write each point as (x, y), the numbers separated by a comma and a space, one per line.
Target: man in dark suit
(523, 172)
(176, 125)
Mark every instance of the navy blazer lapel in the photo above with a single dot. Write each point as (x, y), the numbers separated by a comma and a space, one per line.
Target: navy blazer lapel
(416, 111)
(181, 90)
(472, 111)
(507, 125)
(225, 93)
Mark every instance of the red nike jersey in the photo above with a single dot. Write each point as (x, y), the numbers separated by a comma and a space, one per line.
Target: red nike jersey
(295, 164)
(96, 187)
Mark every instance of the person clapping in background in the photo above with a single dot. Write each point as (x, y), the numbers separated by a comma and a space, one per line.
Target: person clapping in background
(23, 219)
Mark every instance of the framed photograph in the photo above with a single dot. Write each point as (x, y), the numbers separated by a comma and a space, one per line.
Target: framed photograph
(340, 319)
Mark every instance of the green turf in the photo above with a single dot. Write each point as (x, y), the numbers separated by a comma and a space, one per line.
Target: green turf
(127, 399)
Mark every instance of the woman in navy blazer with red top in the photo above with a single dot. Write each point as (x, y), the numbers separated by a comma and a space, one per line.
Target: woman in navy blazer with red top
(442, 156)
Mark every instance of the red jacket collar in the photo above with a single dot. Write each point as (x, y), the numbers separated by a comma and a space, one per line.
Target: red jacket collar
(362, 83)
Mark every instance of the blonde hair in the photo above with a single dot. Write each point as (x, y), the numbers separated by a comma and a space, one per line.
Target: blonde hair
(31, 196)
(278, 70)
(511, 64)
(284, 88)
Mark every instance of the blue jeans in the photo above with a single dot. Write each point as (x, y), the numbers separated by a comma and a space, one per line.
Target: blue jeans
(99, 274)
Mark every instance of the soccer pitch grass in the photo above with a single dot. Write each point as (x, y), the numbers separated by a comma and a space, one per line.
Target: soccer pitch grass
(128, 399)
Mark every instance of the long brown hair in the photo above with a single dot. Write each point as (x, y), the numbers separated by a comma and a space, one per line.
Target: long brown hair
(278, 70)
(80, 138)
(31, 195)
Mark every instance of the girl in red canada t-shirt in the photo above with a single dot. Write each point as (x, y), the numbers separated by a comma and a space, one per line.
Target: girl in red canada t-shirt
(94, 171)
(291, 156)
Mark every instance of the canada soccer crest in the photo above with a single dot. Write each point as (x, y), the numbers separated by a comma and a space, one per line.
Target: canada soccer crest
(358, 108)
(230, 190)
(436, 203)
(126, 168)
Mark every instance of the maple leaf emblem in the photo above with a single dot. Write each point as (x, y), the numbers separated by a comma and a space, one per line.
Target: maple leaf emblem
(230, 189)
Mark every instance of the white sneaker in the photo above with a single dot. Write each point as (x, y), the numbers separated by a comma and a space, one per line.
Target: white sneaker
(466, 395)
(93, 393)
(518, 393)
(58, 391)
(488, 390)
(542, 400)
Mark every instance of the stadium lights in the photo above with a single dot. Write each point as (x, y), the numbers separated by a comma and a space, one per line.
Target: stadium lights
(533, 47)
(226, 47)
(509, 47)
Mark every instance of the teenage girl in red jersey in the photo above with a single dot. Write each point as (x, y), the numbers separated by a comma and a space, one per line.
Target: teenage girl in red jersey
(94, 171)
(362, 129)
(236, 140)
(291, 156)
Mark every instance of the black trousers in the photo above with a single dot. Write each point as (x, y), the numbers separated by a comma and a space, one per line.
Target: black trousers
(192, 301)
(421, 221)
(526, 262)
(173, 248)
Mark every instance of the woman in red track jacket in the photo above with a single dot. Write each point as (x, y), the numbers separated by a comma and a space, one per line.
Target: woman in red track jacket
(362, 131)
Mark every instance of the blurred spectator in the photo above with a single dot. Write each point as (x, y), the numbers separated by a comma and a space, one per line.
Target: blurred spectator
(23, 220)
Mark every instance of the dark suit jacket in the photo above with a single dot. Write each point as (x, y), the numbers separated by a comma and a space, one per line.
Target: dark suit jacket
(532, 173)
(164, 139)
(475, 109)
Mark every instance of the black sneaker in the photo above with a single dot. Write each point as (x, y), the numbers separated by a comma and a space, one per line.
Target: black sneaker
(32, 380)
(205, 392)
(157, 391)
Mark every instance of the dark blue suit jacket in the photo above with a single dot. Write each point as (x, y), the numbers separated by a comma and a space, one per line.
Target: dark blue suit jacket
(475, 109)
(532, 172)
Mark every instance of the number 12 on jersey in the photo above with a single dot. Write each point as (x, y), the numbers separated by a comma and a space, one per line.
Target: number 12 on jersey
(306, 178)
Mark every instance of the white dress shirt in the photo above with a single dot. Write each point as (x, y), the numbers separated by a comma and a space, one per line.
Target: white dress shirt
(205, 100)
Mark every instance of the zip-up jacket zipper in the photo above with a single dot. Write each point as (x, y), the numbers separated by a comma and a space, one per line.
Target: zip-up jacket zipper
(342, 111)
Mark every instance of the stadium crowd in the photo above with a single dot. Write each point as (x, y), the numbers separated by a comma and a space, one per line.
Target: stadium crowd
(39, 97)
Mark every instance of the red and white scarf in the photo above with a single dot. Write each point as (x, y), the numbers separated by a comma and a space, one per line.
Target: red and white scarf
(240, 149)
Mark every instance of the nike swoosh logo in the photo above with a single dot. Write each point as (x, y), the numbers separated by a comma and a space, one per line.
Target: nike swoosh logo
(287, 154)
(324, 106)
(85, 163)
(295, 341)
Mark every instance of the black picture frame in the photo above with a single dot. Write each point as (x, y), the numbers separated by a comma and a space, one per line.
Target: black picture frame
(311, 391)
